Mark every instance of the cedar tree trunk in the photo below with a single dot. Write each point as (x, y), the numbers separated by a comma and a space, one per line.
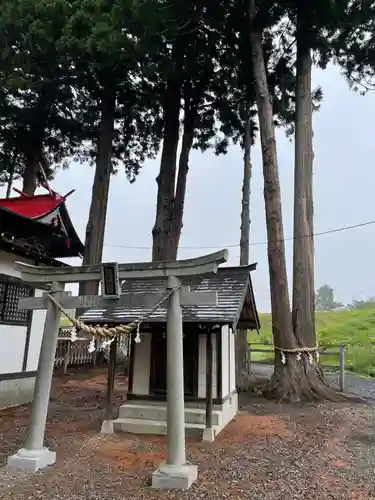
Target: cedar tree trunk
(11, 174)
(303, 247)
(302, 379)
(183, 169)
(161, 232)
(296, 379)
(99, 200)
(281, 316)
(30, 175)
(242, 375)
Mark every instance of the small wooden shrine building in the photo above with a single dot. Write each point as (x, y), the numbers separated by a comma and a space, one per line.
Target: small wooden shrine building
(35, 230)
(209, 341)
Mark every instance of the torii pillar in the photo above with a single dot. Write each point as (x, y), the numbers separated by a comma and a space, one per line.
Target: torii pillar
(176, 472)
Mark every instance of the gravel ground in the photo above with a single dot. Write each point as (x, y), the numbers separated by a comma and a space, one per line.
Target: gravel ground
(355, 384)
(269, 452)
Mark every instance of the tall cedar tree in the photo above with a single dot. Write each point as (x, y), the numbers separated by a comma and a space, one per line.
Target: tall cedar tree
(107, 54)
(354, 45)
(296, 378)
(189, 88)
(280, 305)
(37, 125)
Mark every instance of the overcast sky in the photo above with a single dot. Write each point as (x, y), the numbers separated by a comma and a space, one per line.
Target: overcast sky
(344, 194)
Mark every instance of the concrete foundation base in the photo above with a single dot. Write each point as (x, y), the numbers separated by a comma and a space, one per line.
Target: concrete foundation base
(209, 435)
(107, 427)
(177, 477)
(32, 460)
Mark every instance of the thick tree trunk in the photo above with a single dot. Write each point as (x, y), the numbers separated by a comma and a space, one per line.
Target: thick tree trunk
(30, 175)
(303, 247)
(281, 316)
(166, 180)
(303, 378)
(243, 380)
(177, 215)
(296, 379)
(95, 228)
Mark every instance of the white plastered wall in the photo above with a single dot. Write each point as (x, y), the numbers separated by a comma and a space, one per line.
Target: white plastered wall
(142, 365)
(13, 340)
(228, 360)
(202, 361)
(36, 334)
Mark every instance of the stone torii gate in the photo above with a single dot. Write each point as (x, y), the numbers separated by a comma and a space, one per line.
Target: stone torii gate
(176, 472)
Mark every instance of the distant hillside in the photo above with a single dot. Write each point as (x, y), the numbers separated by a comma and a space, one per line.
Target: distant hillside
(355, 329)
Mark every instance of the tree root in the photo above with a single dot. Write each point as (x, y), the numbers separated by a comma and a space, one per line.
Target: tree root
(298, 380)
(245, 381)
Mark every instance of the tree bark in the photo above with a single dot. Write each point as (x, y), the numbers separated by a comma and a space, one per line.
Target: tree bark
(95, 228)
(245, 213)
(166, 180)
(11, 174)
(296, 379)
(30, 175)
(280, 305)
(303, 247)
(243, 380)
(177, 215)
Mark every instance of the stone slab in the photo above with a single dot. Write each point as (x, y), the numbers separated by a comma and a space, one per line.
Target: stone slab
(107, 427)
(209, 435)
(176, 477)
(32, 460)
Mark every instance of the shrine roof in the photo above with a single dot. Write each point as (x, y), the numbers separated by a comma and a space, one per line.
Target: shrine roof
(38, 226)
(235, 305)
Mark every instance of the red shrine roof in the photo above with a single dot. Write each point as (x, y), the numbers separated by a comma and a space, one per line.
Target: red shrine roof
(33, 207)
(38, 226)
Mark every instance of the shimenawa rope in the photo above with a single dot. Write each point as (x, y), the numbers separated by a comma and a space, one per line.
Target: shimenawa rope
(104, 331)
(299, 351)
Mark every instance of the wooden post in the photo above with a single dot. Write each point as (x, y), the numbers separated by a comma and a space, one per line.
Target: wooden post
(66, 356)
(249, 359)
(107, 425)
(342, 368)
(95, 353)
(208, 433)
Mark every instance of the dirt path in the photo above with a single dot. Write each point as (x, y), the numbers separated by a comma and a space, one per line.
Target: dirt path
(269, 452)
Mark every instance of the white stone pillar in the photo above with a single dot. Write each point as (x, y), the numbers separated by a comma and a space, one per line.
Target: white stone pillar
(175, 473)
(34, 455)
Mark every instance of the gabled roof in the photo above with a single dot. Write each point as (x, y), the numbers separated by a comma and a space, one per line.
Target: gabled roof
(33, 207)
(235, 306)
(39, 226)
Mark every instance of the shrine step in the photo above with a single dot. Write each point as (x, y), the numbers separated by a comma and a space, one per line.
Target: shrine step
(159, 414)
(151, 427)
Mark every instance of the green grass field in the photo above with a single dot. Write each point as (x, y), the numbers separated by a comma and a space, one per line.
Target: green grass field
(355, 329)
(64, 322)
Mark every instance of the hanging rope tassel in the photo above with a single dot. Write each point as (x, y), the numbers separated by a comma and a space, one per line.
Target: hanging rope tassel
(137, 337)
(91, 348)
(73, 334)
(299, 351)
